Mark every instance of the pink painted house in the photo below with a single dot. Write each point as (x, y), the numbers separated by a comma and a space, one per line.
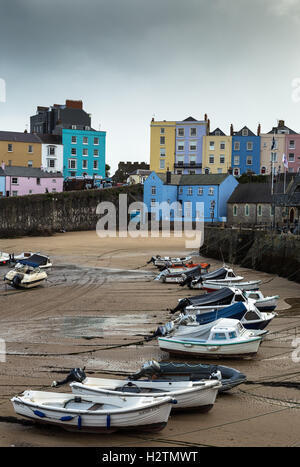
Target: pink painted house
(292, 151)
(21, 181)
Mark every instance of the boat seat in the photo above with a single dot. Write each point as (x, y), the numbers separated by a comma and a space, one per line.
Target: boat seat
(96, 407)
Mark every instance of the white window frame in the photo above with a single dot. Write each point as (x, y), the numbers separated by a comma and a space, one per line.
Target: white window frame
(247, 210)
(249, 146)
(200, 191)
(249, 158)
(96, 140)
(73, 139)
(236, 160)
(96, 152)
(211, 145)
(222, 156)
(180, 130)
(8, 147)
(211, 159)
(235, 210)
(74, 151)
(85, 150)
(236, 146)
(70, 161)
(162, 164)
(14, 182)
(95, 165)
(193, 131)
(153, 190)
(85, 138)
(211, 191)
(190, 191)
(84, 164)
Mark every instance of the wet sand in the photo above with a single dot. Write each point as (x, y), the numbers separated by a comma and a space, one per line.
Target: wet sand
(98, 304)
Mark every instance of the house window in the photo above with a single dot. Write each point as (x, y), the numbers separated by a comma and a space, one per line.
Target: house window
(162, 131)
(200, 191)
(72, 164)
(30, 163)
(249, 160)
(188, 209)
(192, 172)
(222, 145)
(73, 151)
(190, 190)
(96, 141)
(291, 157)
(273, 157)
(162, 163)
(217, 133)
(38, 181)
(85, 140)
(179, 172)
(30, 148)
(96, 153)
(222, 159)
(236, 146)
(236, 172)
(14, 181)
(53, 180)
(180, 146)
(236, 160)
(180, 191)
(180, 131)
(211, 159)
(211, 191)
(292, 144)
(249, 146)
(211, 145)
(259, 210)
(30, 192)
(15, 193)
(10, 147)
(153, 190)
(95, 164)
(74, 139)
(193, 132)
(74, 127)
(73, 174)
(206, 170)
(162, 152)
(84, 164)
(245, 132)
(51, 150)
(53, 190)
(162, 140)
(263, 170)
(235, 209)
(51, 163)
(85, 152)
(247, 210)
(153, 202)
(193, 146)
(220, 170)
(291, 169)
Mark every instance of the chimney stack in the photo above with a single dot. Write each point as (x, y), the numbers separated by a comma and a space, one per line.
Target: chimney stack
(231, 130)
(205, 117)
(258, 130)
(280, 123)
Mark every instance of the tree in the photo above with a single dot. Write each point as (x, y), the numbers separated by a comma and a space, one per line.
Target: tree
(107, 169)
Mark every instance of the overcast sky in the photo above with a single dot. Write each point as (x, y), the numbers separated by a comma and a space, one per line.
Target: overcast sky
(130, 60)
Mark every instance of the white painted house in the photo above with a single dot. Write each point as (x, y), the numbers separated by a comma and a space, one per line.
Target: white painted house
(52, 153)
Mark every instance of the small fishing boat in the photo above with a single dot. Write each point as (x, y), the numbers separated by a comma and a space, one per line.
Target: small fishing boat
(224, 274)
(175, 275)
(101, 413)
(4, 258)
(173, 371)
(25, 277)
(224, 338)
(223, 298)
(200, 395)
(261, 302)
(167, 261)
(211, 286)
(35, 260)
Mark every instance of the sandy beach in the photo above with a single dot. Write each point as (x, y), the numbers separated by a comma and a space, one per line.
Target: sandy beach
(98, 304)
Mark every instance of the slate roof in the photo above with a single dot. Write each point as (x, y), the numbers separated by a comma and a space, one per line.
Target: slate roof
(213, 133)
(50, 139)
(240, 133)
(19, 171)
(196, 179)
(18, 137)
(251, 193)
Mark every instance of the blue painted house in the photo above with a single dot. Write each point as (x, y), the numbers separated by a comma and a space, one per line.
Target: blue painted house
(245, 152)
(213, 190)
(84, 153)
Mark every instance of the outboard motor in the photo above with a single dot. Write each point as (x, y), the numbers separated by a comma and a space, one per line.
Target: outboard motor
(151, 260)
(17, 281)
(76, 374)
(181, 305)
(148, 369)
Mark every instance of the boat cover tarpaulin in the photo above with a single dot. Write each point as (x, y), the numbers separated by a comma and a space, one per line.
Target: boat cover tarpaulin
(217, 274)
(223, 296)
(34, 261)
(236, 311)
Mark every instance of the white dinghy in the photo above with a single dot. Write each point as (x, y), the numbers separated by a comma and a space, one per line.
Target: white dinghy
(102, 413)
(200, 395)
(4, 258)
(25, 277)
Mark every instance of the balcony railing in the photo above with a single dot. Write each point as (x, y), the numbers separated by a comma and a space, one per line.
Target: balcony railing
(179, 165)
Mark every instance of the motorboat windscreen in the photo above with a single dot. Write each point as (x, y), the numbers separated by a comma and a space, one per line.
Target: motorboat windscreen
(35, 261)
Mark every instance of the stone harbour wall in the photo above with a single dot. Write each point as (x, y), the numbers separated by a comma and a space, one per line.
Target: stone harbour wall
(255, 249)
(54, 212)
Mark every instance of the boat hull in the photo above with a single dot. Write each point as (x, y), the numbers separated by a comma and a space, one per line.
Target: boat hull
(198, 396)
(178, 347)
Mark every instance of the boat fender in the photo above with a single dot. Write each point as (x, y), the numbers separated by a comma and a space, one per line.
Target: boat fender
(217, 374)
(66, 418)
(173, 401)
(108, 421)
(39, 413)
(79, 422)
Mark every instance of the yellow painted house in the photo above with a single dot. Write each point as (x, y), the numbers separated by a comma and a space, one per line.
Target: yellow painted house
(217, 151)
(162, 146)
(20, 149)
